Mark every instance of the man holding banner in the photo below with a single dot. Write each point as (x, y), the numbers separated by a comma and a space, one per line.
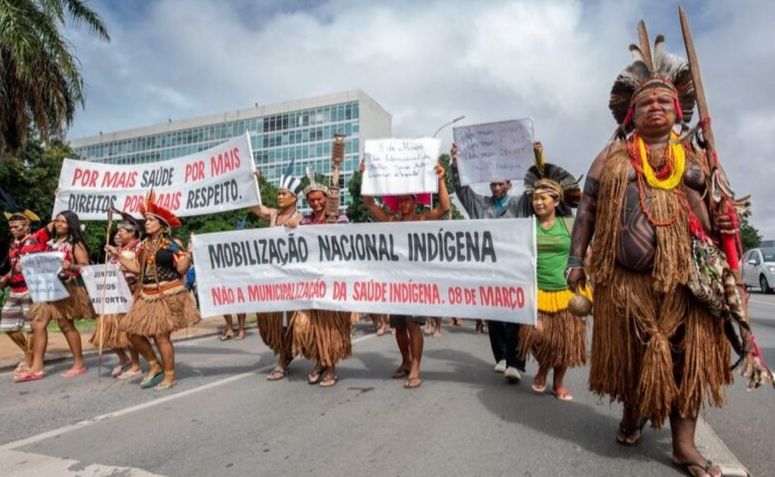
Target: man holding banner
(409, 335)
(504, 337)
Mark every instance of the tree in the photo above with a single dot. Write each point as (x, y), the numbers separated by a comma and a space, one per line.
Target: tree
(751, 236)
(40, 82)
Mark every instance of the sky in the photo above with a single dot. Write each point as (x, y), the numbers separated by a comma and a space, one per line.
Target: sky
(427, 62)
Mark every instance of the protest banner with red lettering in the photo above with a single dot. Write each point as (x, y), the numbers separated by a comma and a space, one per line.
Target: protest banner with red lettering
(471, 269)
(215, 180)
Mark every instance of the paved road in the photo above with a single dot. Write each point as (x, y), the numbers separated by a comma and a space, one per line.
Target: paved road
(224, 418)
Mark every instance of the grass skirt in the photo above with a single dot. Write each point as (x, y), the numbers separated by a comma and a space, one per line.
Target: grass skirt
(160, 314)
(112, 335)
(558, 341)
(76, 306)
(277, 337)
(322, 336)
(656, 350)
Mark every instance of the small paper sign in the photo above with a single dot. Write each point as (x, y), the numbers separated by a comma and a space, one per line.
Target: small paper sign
(400, 166)
(494, 151)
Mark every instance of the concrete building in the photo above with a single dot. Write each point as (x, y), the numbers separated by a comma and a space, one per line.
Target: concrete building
(299, 130)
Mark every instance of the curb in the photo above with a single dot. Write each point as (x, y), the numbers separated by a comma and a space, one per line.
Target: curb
(55, 358)
(710, 444)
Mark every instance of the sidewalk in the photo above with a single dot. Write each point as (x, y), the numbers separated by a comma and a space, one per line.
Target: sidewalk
(10, 355)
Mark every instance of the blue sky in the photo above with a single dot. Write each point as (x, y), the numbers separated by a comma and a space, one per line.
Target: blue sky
(429, 61)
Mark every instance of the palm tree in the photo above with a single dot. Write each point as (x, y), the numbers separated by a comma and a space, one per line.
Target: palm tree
(40, 83)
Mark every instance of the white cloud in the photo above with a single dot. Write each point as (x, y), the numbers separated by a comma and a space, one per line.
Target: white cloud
(427, 62)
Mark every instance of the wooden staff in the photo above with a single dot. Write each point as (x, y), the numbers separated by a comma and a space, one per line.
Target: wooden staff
(332, 201)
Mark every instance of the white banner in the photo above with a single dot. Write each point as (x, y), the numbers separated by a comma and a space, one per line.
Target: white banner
(108, 290)
(472, 269)
(40, 272)
(400, 166)
(494, 151)
(218, 179)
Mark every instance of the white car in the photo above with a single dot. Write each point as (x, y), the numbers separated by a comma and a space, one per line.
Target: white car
(759, 268)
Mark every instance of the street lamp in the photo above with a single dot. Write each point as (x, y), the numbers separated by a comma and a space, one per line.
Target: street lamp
(448, 124)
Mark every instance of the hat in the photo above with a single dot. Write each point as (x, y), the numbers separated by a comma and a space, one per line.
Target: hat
(129, 222)
(313, 185)
(149, 207)
(288, 181)
(25, 214)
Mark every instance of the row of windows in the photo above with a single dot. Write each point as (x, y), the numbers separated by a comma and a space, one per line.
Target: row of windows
(219, 132)
(298, 119)
(310, 134)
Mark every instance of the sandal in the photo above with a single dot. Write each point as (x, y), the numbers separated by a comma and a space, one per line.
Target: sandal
(240, 336)
(538, 388)
(226, 337)
(165, 386)
(29, 376)
(412, 383)
(315, 376)
(328, 382)
(118, 369)
(401, 373)
(276, 374)
(689, 464)
(129, 374)
(631, 436)
(21, 368)
(563, 396)
(72, 373)
(151, 381)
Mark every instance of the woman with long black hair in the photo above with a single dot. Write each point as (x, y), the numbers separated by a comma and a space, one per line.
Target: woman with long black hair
(67, 238)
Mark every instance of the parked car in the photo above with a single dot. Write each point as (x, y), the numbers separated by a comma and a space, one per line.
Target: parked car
(759, 268)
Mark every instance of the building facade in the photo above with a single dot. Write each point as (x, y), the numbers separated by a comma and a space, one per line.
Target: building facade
(300, 131)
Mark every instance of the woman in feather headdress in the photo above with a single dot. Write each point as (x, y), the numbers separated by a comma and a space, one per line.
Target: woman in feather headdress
(274, 327)
(163, 304)
(322, 336)
(656, 347)
(557, 341)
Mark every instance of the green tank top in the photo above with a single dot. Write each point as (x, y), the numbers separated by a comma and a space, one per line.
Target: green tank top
(553, 246)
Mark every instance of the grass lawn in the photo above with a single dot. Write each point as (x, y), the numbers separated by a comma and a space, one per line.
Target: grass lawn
(80, 325)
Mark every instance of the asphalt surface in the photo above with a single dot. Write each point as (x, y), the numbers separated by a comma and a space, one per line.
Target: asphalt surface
(224, 418)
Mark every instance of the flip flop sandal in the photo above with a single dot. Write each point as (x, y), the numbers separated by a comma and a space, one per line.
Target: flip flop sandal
(276, 375)
(687, 465)
(26, 377)
(165, 386)
(129, 374)
(226, 337)
(240, 337)
(413, 383)
(626, 433)
(118, 369)
(72, 373)
(563, 397)
(315, 377)
(401, 373)
(539, 389)
(327, 383)
(152, 381)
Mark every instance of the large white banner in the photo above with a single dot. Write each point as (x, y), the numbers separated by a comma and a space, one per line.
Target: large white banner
(40, 272)
(400, 166)
(473, 268)
(108, 290)
(218, 179)
(494, 151)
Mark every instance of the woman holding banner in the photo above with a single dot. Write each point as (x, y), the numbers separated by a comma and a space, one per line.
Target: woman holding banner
(163, 304)
(408, 329)
(322, 336)
(557, 341)
(108, 333)
(274, 327)
(69, 240)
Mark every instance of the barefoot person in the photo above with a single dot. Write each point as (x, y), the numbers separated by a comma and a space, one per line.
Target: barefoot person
(274, 326)
(163, 304)
(322, 336)
(408, 327)
(108, 333)
(504, 337)
(557, 341)
(656, 348)
(68, 239)
(14, 317)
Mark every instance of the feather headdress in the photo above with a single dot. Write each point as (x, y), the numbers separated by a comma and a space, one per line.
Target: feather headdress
(649, 70)
(150, 207)
(288, 181)
(312, 183)
(542, 171)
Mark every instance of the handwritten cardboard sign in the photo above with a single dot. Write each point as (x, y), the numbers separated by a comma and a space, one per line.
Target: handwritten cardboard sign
(400, 166)
(494, 151)
(40, 272)
(107, 288)
(215, 180)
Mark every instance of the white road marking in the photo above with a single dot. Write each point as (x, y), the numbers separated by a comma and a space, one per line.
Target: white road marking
(88, 422)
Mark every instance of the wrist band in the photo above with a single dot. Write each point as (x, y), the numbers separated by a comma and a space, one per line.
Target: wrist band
(575, 262)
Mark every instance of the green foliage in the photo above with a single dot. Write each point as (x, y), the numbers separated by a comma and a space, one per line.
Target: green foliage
(39, 74)
(751, 236)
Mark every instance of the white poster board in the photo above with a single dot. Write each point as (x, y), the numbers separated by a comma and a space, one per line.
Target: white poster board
(400, 166)
(108, 290)
(494, 151)
(474, 268)
(40, 272)
(215, 180)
